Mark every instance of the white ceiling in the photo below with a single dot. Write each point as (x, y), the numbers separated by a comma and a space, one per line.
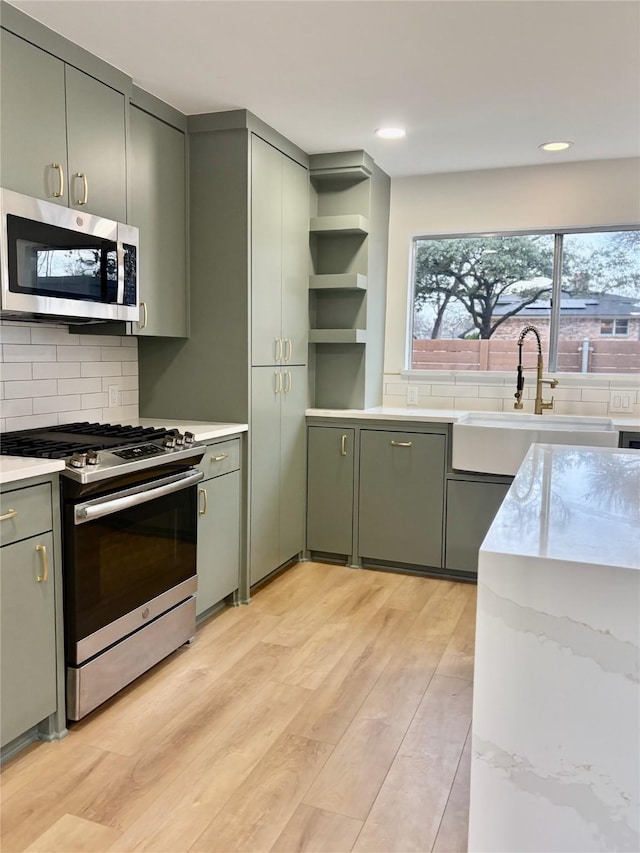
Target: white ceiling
(477, 84)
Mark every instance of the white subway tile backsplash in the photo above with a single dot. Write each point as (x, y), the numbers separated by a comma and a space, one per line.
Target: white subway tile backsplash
(595, 395)
(129, 341)
(53, 335)
(18, 407)
(15, 334)
(28, 352)
(129, 368)
(92, 401)
(79, 353)
(102, 368)
(85, 385)
(17, 370)
(464, 390)
(124, 383)
(129, 398)
(56, 404)
(573, 407)
(31, 388)
(31, 422)
(124, 354)
(56, 370)
(121, 414)
(100, 340)
(90, 415)
(496, 392)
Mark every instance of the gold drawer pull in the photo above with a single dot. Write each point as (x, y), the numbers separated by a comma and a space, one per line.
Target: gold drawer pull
(219, 458)
(400, 444)
(11, 514)
(343, 446)
(45, 563)
(203, 509)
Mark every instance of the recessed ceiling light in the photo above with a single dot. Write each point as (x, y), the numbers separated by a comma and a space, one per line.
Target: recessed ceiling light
(555, 146)
(391, 132)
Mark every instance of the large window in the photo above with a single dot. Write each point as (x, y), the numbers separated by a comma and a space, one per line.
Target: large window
(472, 296)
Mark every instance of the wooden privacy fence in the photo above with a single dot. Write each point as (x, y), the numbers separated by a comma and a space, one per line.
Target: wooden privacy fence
(604, 356)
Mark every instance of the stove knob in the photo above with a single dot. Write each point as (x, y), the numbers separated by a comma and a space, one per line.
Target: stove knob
(189, 438)
(78, 460)
(179, 440)
(93, 457)
(169, 442)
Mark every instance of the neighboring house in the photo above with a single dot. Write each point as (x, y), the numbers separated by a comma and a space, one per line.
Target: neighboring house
(594, 315)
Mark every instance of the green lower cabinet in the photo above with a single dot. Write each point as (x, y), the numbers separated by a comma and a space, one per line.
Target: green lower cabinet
(471, 507)
(219, 524)
(401, 497)
(330, 464)
(28, 689)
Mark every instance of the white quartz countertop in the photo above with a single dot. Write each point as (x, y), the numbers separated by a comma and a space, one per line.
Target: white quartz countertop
(572, 503)
(202, 430)
(556, 704)
(15, 468)
(442, 416)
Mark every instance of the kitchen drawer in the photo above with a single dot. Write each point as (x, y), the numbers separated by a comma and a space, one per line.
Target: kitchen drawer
(221, 458)
(29, 512)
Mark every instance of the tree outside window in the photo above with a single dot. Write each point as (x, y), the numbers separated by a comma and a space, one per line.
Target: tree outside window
(473, 295)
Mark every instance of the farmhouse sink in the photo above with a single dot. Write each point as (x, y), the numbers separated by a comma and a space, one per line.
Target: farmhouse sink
(497, 442)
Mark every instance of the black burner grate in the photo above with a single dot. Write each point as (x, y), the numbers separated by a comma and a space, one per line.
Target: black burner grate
(57, 442)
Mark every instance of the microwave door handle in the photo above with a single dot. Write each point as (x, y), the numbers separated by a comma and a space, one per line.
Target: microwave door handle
(99, 508)
(120, 257)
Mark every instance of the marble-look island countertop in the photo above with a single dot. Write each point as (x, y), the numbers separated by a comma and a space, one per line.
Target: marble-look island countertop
(556, 716)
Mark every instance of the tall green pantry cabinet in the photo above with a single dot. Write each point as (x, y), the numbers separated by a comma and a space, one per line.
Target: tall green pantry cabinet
(246, 357)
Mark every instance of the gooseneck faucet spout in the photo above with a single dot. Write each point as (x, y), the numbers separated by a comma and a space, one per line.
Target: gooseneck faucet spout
(540, 404)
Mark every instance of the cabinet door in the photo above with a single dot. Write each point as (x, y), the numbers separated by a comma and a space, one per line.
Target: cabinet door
(266, 253)
(330, 490)
(27, 638)
(218, 540)
(471, 507)
(401, 497)
(96, 145)
(264, 473)
(158, 209)
(295, 261)
(33, 134)
(292, 462)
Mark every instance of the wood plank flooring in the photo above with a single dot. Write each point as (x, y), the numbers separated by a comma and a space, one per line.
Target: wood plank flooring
(331, 714)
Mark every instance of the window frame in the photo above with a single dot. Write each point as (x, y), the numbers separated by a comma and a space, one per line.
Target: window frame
(556, 283)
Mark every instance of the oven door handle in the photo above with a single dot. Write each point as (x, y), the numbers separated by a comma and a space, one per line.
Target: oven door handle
(100, 507)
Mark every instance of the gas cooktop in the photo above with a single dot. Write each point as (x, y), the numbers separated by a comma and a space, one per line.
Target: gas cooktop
(94, 451)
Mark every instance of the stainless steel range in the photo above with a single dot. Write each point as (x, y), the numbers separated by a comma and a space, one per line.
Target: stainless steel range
(129, 505)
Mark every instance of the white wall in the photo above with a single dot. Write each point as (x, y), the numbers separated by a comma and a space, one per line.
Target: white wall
(50, 375)
(598, 192)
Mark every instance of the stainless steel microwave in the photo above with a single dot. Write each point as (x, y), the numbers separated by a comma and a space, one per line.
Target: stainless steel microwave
(64, 265)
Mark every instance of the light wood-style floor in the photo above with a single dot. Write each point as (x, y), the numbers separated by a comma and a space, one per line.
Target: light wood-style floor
(332, 714)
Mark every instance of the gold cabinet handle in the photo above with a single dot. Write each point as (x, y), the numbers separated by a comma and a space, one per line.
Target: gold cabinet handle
(343, 446)
(202, 509)
(143, 324)
(42, 550)
(58, 168)
(278, 349)
(11, 514)
(400, 444)
(278, 381)
(219, 458)
(85, 188)
(287, 381)
(288, 349)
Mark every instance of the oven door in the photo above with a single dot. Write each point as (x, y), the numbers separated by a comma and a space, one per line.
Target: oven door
(129, 557)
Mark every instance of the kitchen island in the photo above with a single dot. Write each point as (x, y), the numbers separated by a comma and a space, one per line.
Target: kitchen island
(556, 716)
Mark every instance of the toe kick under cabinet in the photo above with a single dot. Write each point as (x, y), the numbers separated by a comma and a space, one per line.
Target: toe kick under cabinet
(31, 637)
(219, 512)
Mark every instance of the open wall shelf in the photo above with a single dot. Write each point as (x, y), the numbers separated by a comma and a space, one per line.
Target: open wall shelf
(341, 281)
(351, 223)
(337, 336)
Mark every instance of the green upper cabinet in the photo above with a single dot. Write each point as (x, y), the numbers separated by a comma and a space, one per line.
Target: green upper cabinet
(279, 260)
(33, 132)
(63, 132)
(158, 210)
(96, 146)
